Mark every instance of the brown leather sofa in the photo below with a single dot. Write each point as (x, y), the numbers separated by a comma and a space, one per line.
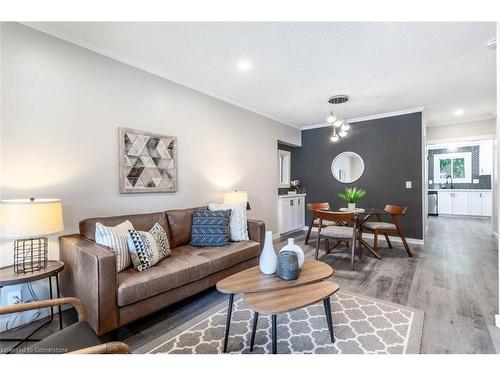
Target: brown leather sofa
(113, 299)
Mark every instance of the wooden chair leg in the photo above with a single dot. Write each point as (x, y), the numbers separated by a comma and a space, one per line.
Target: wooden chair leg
(309, 230)
(375, 241)
(316, 256)
(407, 248)
(388, 240)
(353, 247)
(327, 245)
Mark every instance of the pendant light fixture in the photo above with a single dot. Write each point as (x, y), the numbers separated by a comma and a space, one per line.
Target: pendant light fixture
(336, 119)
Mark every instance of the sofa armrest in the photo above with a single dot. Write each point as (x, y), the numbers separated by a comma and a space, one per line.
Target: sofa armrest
(257, 231)
(90, 275)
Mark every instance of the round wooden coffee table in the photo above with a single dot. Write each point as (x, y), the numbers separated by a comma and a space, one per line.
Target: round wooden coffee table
(285, 300)
(253, 281)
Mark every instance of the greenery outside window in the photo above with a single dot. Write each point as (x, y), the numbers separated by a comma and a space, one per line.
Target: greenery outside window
(457, 165)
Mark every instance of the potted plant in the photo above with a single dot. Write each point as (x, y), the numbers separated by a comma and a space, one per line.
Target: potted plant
(351, 195)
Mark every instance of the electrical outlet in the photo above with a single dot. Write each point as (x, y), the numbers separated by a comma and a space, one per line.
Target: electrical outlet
(14, 297)
(408, 184)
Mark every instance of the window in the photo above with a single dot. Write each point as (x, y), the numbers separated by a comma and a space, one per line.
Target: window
(457, 165)
(284, 158)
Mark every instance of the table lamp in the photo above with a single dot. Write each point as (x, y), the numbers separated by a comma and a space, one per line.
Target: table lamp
(236, 196)
(29, 221)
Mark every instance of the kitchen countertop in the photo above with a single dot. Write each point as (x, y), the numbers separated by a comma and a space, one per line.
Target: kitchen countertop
(460, 190)
(291, 195)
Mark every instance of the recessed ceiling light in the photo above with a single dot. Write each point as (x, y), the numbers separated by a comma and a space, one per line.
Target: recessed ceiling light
(459, 112)
(244, 65)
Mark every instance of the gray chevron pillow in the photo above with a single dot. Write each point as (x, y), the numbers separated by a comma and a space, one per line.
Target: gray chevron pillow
(210, 228)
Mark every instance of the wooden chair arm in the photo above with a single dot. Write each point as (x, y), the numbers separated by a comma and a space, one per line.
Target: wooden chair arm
(115, 347)
(19, 307)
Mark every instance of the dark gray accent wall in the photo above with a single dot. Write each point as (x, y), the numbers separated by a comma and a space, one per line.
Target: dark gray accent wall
(392, 152)
(484, 180)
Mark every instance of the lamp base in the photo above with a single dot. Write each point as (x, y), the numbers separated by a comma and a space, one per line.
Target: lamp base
(30, 254)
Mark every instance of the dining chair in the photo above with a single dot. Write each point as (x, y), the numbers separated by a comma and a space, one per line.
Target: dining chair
(315, 221)
(340, 232)
(77, 338)
(385, 228)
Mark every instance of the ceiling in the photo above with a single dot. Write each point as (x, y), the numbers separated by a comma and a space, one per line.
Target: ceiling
(382, 67)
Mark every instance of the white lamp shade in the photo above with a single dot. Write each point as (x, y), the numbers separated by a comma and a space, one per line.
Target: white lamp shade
(235, 196)
(24, 218)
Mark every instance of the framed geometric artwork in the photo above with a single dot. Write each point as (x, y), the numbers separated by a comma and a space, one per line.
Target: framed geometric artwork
(148, 162)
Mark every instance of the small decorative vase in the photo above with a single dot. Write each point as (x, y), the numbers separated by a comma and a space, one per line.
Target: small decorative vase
(288, 265)
(351, 206)
(268, 261)
(290, 246)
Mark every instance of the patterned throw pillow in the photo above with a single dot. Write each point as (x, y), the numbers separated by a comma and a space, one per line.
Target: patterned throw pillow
(115, 239)
(210, 228)
(238, 230)
(148, 248)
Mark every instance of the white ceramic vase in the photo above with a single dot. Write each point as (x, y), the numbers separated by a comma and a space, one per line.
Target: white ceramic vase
(268, 261)
(290, 246)
(351, 206)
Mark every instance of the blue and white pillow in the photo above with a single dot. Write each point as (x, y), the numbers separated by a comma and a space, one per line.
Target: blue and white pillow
(210, 228)
(148, 248)
(116, 240)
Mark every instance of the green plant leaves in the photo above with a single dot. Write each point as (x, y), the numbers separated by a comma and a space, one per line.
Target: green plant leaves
(352, 194)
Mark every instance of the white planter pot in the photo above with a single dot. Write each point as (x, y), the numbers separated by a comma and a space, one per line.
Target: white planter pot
(268, 261)
(290, 246)
(351, 206)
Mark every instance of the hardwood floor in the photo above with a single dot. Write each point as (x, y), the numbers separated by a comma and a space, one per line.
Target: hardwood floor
(453, 278)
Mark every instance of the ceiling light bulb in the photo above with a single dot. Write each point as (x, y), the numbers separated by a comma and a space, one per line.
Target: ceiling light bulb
(334, 138)
(244, 65)
(337, 123)
(342, 133)
(459, 112)
(345, 126)
(331, 118)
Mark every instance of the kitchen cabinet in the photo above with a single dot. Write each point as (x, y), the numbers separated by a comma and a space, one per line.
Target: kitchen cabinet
(474, 203)
(291, 212)
(445, 203)
(487, 203)
(486, 157)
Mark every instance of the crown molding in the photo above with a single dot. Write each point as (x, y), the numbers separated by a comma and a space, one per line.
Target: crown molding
(463, 121)
(370, 117)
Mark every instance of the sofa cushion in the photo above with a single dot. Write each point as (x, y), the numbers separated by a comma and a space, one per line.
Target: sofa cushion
(186, 264)
(142, 222)
(180, 223)
(178, 269)
(225, 257)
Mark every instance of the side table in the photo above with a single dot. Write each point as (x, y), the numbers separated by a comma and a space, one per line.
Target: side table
(9, 277)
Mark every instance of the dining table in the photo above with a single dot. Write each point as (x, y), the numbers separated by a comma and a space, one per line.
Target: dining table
(361, 216)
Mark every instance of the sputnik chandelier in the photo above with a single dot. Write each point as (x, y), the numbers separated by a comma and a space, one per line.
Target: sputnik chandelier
(336, 118)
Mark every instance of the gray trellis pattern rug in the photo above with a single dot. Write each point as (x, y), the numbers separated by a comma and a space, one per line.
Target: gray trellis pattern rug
(361, 325)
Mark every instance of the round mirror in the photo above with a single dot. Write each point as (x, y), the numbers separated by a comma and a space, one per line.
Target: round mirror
(347, 167)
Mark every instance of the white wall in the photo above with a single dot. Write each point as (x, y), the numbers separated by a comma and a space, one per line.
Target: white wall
(62, 106)
(467, 130)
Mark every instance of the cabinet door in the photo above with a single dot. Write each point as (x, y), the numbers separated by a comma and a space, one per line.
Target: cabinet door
(475, 203)
(285, 215)
(486, 204)
(460, 203)
(445, 203)
(299, 213)
(486, 157)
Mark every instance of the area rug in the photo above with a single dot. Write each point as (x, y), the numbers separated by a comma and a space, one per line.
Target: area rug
(361, 325)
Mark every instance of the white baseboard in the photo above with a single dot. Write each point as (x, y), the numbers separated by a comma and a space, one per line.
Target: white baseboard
(497, 320)
(413, 241)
